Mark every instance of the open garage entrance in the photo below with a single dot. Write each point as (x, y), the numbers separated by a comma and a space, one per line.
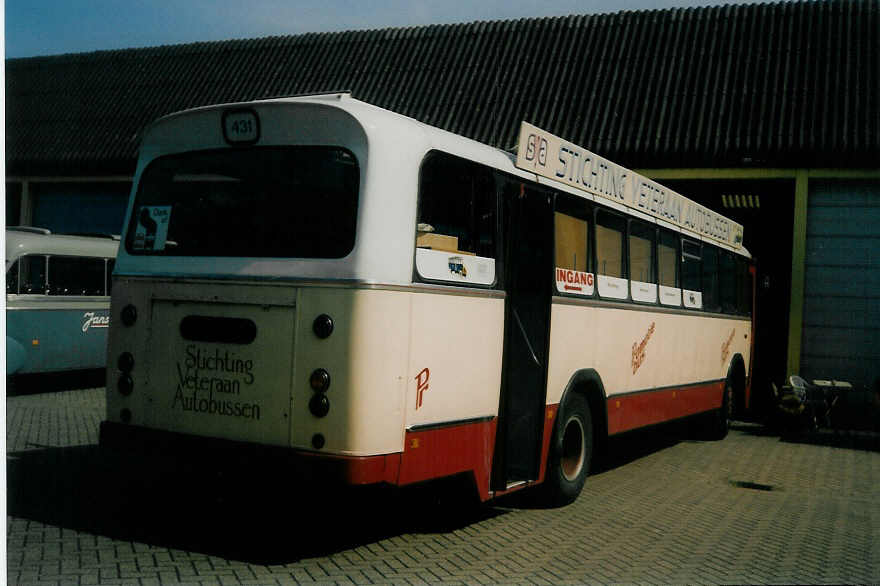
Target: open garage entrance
(765, 208)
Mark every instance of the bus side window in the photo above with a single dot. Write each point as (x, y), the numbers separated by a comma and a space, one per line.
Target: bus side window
(642, 238)
(610, 256)
(456, 225)
(743, 287)
(12, 278)
(32, 278)
(727, 282)
(692, 296)
(711, 297)
(572, 238)
(108, 282)
(667, 263)
(571, 242)
(74, 275)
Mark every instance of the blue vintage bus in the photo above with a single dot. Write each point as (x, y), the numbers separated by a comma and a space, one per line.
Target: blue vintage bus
(57, 300)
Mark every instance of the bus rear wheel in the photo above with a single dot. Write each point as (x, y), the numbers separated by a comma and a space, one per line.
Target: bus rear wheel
(571, 450)
(718, 424)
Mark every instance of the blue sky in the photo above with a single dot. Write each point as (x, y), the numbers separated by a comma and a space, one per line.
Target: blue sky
(51, 27)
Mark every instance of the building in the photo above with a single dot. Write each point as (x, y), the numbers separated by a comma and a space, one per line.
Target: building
(767, 112)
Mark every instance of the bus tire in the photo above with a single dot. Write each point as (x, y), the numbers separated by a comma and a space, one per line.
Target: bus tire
(719, 422)
(570, 453)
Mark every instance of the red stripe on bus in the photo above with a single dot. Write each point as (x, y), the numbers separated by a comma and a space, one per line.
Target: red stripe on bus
(638, 410)
(444, 451)
(549, 421)
(468, 447)
(355, 469)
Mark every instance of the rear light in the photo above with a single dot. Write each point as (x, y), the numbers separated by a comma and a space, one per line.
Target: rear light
(320, 380)
(129, 315)
(125, 385)
(319, 405)
(125, 362)
(318, 441)
(125, 415)
(323, 326)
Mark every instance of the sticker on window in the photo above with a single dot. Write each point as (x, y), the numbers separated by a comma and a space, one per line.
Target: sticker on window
(460, 268)
(151, 229)
(574, 282)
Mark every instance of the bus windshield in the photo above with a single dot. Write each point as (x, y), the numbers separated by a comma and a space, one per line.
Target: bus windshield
(276, 202)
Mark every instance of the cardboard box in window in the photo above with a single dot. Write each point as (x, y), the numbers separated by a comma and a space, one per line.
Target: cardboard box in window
(437, 241)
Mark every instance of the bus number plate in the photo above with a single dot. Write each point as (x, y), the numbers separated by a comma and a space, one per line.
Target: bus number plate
(241, 127)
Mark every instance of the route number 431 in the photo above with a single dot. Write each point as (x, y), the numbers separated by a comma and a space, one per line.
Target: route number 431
(241, 126)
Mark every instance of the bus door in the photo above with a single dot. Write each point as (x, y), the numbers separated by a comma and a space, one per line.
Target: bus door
(527, 233)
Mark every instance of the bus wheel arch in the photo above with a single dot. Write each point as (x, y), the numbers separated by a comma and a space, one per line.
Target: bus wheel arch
(736, 376)
(718, 421)
(577, 430)
(15, 356)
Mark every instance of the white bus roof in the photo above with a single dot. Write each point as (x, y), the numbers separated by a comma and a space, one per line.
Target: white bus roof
(561, 161)
(27, 240)
(375, 120)
(691, 219)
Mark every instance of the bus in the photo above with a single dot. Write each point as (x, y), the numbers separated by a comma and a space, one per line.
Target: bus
(57, 300)
(383, 301)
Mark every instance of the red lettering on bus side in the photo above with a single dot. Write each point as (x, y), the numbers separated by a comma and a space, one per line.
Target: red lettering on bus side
(638, 349)
(570, 280)
(421, 385)
(725, 346)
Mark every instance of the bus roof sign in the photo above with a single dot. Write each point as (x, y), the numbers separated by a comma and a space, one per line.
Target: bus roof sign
(241, 126)
(555, 158)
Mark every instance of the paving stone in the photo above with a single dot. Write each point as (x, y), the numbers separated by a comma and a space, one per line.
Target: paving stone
(674, 515)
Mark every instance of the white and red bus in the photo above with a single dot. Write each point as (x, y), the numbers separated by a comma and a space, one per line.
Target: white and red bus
(380, 299)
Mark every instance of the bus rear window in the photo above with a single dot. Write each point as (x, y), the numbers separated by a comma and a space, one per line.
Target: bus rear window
(271, 202)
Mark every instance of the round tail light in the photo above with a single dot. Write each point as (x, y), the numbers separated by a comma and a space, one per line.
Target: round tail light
(319, 380)
(319, 405)
(125, 385)
(129, 315)
(125, 362)
(323, 326)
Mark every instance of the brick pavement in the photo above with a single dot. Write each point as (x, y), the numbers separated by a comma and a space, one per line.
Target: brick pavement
(749, 509)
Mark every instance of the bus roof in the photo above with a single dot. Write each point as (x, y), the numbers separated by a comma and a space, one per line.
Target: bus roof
(374, 117)
(26, 240)
(559, 160)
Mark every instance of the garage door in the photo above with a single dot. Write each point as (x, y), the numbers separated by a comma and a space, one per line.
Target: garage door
(80, 208)
(841, 335)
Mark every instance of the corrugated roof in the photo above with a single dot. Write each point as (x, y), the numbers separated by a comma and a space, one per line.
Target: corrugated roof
(791, 84)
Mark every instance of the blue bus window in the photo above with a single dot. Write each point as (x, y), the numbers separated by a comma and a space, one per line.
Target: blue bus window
(32, 278)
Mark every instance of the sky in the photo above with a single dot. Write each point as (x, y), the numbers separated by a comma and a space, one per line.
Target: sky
(52, 27)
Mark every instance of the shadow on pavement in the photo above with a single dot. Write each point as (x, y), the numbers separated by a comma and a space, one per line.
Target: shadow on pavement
(620, 450)
(851, 439)
(258, 517)
(634, 445)
(30, 384)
